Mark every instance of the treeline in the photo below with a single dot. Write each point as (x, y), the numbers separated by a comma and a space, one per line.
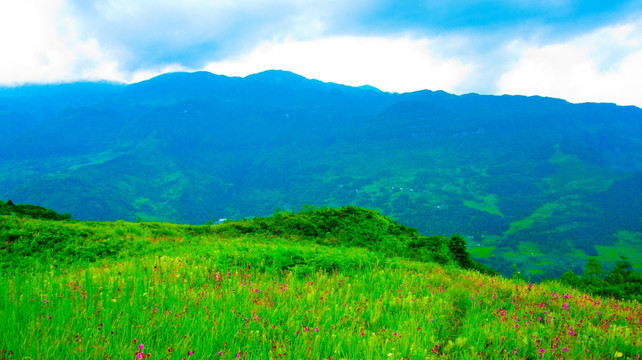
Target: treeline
(621, 282)
(31, 211)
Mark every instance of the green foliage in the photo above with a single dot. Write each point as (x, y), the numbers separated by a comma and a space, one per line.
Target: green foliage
(620, 283)
(187, 148)
(593, 269)
(314, 238)
(457, 246)
(351, 226)
(199, 305)
(29, 242)
(432, 248)
(570, 278)
(261, 287)
(31, 211)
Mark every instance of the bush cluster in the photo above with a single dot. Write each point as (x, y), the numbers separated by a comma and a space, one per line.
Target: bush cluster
(31, 211)
(621, 282)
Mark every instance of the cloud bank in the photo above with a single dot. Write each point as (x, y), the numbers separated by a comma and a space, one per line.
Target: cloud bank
(575, 50)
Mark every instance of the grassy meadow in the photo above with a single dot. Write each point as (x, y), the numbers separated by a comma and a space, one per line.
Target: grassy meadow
(321, 284)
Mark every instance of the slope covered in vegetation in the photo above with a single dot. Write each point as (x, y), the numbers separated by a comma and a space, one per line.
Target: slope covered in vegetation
(516, 176)
(30, 239)
(31, 211)
(343, 283)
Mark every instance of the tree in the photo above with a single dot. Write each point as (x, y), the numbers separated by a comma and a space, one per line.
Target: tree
(621, 273)
(457, 247)
(570, 278)
(593, 269)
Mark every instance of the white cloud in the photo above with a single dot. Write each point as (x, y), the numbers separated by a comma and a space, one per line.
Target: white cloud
(66, 40)
(40, 44)
(602, 66)
(390, 64)
(146, 74)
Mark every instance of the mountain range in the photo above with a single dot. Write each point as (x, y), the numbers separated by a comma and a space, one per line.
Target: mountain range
(536, 185)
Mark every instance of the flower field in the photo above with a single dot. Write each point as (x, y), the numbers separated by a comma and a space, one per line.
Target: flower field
(190, 295)
(174, 308)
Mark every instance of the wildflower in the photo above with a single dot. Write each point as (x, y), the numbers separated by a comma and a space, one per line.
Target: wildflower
(238, 355)
(141, 347)
(316, 329)
(564, 349)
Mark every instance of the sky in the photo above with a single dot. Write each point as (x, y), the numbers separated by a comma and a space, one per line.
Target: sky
(580, 51)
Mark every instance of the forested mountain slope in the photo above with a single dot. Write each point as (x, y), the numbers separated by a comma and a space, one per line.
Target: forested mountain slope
(531, 181)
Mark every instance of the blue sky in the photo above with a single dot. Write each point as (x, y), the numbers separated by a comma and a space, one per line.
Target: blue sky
(576, 50)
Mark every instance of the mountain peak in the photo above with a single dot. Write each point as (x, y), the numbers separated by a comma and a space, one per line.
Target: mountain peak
(276, 74)
(281, 78)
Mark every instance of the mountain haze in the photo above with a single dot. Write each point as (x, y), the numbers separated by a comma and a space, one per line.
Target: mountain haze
(536, 182)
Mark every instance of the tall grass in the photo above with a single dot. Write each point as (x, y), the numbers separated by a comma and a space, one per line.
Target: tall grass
(272, 289)
(202, 305)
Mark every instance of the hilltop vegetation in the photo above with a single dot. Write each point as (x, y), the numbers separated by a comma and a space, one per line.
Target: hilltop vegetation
(39, 237)
(31, 211)
(535, 182)
(321, 283)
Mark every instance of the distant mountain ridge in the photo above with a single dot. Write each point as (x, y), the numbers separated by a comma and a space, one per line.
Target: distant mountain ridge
(532, 181)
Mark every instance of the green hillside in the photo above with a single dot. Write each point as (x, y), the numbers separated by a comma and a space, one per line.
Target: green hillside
(346, 283)
(536, 182)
